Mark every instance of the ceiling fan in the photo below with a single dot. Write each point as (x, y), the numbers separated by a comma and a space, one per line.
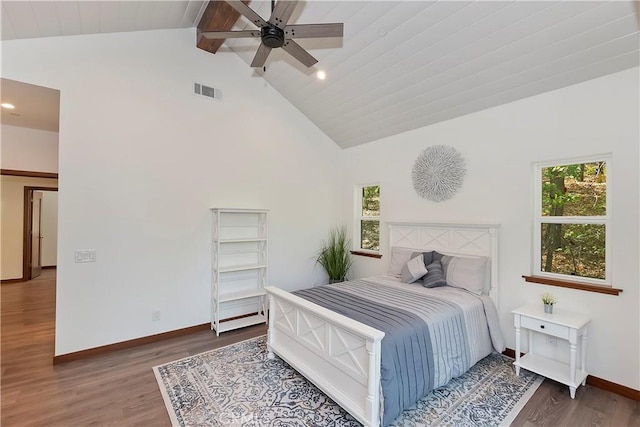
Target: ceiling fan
(276, 32)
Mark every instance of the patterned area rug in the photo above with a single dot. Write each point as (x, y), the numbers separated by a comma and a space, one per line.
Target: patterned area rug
(238, 385)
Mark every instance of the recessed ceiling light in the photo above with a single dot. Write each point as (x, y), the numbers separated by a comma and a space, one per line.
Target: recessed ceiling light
(321, 75)
(7, 105)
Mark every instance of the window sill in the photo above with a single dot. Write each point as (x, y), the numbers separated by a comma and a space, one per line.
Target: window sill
(572, 285)
(367, 254)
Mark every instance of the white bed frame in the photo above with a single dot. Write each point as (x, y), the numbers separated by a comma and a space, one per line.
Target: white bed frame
(342, 356)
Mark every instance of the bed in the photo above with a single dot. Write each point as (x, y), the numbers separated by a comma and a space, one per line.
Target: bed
(333, 335)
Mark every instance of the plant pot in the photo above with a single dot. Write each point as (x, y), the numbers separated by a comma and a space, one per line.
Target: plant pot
(332, 281)
(548, 308)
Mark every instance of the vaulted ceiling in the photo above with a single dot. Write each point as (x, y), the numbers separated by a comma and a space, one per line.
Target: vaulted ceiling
(401, 64)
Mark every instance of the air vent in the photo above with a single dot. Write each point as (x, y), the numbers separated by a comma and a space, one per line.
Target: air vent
(209, 92)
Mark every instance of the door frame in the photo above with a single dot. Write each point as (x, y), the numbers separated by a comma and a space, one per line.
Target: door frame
(26, 228)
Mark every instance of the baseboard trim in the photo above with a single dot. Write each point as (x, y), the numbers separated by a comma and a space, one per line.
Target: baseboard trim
(614, 388)
(83, 354)
(597, 382)
(511, 353)
(12, 280)
(22, 279)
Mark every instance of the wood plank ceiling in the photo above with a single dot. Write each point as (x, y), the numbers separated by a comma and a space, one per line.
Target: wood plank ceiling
(405, 65)
(28, 19)
(401, 65)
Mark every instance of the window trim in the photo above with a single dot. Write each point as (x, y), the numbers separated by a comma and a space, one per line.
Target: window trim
(358, 217)
(538, 219)
(366, 253)
(573, 285)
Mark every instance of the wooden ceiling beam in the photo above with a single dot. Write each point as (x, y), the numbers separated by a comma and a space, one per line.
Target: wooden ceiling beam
(218, 16)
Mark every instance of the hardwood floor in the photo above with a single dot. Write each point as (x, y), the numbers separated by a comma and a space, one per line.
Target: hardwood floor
(551, 405)
(119, 388)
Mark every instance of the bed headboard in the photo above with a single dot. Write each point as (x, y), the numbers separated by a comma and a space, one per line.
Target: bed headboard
(453, 239)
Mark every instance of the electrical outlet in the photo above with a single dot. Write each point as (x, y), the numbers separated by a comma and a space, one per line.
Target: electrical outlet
(155, 315)
(552, 341)
(85, 255)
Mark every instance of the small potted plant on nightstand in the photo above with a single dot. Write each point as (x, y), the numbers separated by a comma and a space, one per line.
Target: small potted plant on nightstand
(548, 300)
(334, 255)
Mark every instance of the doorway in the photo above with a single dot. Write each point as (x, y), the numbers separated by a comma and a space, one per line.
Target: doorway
(33, 232)
(30, 140)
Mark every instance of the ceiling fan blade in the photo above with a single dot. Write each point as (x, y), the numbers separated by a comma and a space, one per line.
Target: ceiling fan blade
(313, 30)
(247, 12)
(261, 56)
(229, 34)
(282, 12)
(295, 50)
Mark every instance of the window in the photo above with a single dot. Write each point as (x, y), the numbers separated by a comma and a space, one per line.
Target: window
(571, 220)
(368, 217)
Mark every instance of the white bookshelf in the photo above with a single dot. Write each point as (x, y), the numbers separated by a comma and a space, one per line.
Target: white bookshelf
(239, 268)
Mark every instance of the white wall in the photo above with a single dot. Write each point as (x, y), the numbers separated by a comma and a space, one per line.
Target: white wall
(28, 149)
(499, 146)
(49, 228)
(142, 160)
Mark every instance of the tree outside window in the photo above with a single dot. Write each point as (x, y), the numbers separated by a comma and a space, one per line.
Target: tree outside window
(572, 220)
(369, 217)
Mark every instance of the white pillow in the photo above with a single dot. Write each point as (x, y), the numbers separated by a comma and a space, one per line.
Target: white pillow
(399, 258)
(414, 269)
(467, 273)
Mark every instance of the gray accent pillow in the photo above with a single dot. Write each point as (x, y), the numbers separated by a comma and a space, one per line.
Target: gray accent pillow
(435, 276)
(414, 269)
(428, 256)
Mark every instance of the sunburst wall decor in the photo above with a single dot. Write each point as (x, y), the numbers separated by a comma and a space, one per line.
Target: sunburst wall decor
(438, 173)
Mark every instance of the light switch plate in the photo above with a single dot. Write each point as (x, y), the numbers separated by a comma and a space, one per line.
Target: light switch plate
(85, 255)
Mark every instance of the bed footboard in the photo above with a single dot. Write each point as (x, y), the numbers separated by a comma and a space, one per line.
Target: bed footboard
(339, 355)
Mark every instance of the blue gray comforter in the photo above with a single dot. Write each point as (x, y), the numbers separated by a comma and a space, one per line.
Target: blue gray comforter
(431, 335)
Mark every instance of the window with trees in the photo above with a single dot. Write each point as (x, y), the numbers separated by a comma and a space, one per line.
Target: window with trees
(368, 218)
(571, 220)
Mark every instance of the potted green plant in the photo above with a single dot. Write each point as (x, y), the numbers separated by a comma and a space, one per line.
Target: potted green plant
(335, 256)
(548, 300)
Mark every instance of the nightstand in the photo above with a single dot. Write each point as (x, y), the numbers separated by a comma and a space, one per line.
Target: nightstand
(561, 324)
